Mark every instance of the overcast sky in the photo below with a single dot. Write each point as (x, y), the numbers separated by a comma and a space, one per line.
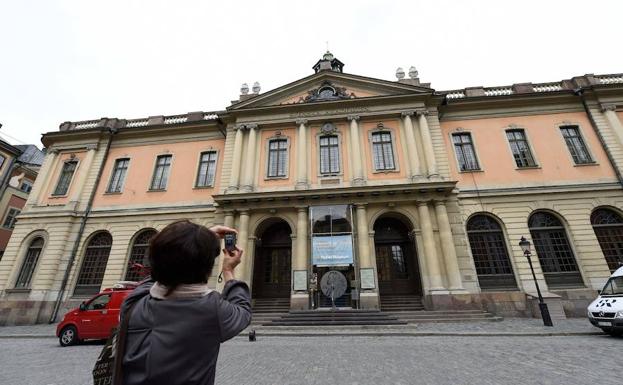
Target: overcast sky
(80, 60)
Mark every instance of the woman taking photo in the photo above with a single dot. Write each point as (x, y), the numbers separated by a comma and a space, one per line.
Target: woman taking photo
(176, 323)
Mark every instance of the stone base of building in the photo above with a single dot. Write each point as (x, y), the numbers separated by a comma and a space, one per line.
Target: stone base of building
(25, 312)
(570, 302)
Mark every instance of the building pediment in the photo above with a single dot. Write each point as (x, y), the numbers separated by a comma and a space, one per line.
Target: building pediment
(329, 86)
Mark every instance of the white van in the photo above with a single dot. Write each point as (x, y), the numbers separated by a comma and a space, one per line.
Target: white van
(606, 312)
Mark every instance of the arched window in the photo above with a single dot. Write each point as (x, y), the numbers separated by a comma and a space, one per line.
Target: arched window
(490, 253)
(30, 262)
(94, 264)
(139, 254)
(608, 226)
(554, 251)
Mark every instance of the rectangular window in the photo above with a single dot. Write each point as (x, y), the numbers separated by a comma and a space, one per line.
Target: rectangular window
(329, 155)
(26, 186)
(161, 172)
(64, 180)
(520, 149)
(207, 169)
(2, 159)
(277, 158)
(382, 151)
(118, 175)
(576, 145)
(9, 221)
(465, 152)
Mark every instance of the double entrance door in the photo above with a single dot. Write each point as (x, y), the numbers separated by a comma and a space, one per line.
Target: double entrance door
(396, 264)
(272, 270)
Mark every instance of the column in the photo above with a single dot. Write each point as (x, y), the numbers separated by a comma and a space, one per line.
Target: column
(301, 155)
(609, 111)
(357, 156)
(234, 178)
(427, 143)
(248, 181)
(301, 258)
(432, 262)
(447, 246)
(412, 153)
(44, 175)
(300, 300)
(368, 299)
(241, 271)
(83, 171)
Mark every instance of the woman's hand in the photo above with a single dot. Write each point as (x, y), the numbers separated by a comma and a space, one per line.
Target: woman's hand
(231, 259)
(222, 230)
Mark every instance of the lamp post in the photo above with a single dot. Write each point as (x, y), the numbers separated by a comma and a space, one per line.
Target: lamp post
(525, 246)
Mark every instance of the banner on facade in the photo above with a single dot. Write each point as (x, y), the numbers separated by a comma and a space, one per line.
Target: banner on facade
(336, 250)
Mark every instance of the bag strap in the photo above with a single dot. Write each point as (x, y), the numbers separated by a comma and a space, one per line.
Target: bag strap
(120, 347)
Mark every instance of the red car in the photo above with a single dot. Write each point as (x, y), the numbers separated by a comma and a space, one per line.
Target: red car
(95, 318)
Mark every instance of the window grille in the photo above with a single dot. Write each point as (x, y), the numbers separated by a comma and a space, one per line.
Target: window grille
(161, 172)
(30, 263)
(329, 155)
(118, 175)
(608, 227)
(465, 152)
(576, 145)
(9, 221)
(493, 265)
(382, 151)
(26, 186)
(207, 169)
(554, 251)
(64, 180)
(94, 264)
(520, 149)
(277, 158)
(138, 254)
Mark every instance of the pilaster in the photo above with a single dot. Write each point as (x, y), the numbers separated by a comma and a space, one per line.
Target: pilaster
(355, 144)
(234, 179)
(248, 181)
(432, 261)
(302, 182)
(412, 153)
(609, 111)
(427, 142)
(447, 246)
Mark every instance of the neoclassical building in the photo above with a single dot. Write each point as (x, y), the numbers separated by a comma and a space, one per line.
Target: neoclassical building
(406, 191)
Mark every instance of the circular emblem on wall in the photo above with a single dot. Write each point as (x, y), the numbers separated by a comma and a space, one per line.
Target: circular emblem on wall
(333, 284)
(327, 128)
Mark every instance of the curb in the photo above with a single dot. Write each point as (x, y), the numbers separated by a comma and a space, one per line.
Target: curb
(9, 336)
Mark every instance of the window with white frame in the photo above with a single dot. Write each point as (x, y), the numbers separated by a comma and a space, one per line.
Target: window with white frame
(64, 179)
(161, 172)
(26, 186)
(277, 158)
(383, 151)
(207, 169)
(465, 153)
(520, 149)
(118, 175)
(329, 155)
(576, 145)
(29, 264)
(10, 219)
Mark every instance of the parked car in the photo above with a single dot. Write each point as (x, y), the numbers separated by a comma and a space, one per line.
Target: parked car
(96, 318)
(606, 312)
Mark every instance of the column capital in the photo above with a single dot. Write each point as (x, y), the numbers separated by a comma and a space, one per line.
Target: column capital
(407, 113)
(246, 126)
(608, 107)
(301, 121)
(54, 151)
(244, 212)
(252, 126)
(361, 206)
(423, 112)
(353, 117)
(422, 203)
(439, 202)
(91, 147)
(301, 209)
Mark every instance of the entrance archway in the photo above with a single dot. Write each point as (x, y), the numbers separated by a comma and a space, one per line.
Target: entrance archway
(273, 261)
(396, 261)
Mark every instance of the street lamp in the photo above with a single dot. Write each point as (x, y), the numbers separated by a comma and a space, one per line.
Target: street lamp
(525, 246)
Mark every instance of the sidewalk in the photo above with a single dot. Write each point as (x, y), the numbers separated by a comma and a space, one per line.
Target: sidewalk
(507, 327)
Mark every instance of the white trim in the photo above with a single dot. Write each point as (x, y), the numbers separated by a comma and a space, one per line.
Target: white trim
(71, 181)
(475, 148)
(112, 173)
(528, 142)
(153, 173)
(340, 173)
(559, 126)
(393, 136)
(267, 160)
(196, 178)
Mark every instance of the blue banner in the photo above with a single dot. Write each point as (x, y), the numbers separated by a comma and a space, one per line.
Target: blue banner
(333, 250)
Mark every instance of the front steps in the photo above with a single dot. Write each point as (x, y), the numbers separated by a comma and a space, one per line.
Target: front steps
(426, 316)
(401, 303)
(335, 318)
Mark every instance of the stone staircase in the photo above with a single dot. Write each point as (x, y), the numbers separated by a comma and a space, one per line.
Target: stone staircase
(401, 303)
(267, 309)
(426, 316)
(335, 318)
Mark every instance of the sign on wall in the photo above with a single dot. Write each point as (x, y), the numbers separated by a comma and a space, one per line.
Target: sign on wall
(336, 250)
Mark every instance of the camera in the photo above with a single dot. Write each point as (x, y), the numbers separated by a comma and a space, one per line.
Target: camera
(230, 241)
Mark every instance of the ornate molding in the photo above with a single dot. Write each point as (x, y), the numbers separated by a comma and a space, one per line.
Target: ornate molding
(407, 113)
(421, 113)
(608, 107)
(326, 91)
(246, 126)
(353, 117)
(301, 121)
(90, 147)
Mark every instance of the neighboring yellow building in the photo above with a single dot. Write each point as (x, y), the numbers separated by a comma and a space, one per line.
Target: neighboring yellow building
(410, 193)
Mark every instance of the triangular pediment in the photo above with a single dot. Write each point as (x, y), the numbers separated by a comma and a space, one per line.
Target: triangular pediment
(329, 86)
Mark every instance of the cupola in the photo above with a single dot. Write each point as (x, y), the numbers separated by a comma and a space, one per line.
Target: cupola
(328, 63)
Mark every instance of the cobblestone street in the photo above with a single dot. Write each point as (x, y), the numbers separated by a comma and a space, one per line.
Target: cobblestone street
(353, 360)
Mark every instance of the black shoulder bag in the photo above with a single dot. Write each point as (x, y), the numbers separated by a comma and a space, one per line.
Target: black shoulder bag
(108, 367)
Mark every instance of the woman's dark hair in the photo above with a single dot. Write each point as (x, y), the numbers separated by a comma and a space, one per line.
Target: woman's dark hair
(183, 252)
